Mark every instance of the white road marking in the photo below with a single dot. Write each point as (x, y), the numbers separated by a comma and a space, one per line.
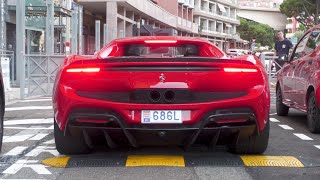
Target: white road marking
(36, 100)
(274, 120)
(23, 135)
(16, 151)
(272, 114)
(35, 128)
(18, 138)
(286, 127)
(317, 146)
(28, 121)
(23, 179)
(38, 168)
(28, 108)
(38, 137)
(5, 137)
(303, 137)
(40, 149)
(50, 142)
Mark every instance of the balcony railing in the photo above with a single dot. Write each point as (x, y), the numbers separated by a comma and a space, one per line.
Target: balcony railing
(189, 3)
(184, 22)
(220, 14)
(195, 28)
(215, 31)
(179, 20)
(189, 24)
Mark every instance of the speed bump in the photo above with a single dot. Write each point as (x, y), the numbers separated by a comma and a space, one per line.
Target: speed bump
(188, 160)
(273, 161)
(155, 160)
(60, 162)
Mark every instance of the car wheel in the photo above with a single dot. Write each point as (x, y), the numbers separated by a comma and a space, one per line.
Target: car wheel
(282, 110)
(1, 120)
(69, 144)
(313, 115)
(255, 144)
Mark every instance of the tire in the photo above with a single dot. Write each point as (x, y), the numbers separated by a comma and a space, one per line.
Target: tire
(313, 115)
(255, 144)
(69, 144)
(282, 110)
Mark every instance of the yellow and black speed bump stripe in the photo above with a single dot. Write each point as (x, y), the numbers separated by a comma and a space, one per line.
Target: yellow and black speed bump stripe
(155, 160)
(187, 160)
(217, 159)
(98, 161)
(272, 161)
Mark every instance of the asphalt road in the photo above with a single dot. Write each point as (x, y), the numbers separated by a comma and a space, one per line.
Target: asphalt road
(28, 139)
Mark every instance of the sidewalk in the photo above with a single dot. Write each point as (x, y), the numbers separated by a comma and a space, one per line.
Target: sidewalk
(12, 95)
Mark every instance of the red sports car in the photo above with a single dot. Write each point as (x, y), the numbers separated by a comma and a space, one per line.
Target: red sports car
(161, 91)
(298, 82)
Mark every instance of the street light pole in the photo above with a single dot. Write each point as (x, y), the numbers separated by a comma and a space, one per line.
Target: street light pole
(317, 11)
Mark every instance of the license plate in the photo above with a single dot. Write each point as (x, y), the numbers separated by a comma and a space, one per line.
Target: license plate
(161, 117)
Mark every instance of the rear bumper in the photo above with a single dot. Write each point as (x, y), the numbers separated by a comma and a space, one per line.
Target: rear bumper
(66, 102)
(207, 131)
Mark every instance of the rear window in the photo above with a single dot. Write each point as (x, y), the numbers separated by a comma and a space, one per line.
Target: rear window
(184, 50)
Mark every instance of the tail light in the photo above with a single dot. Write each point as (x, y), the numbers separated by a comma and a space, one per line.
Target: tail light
(160, 41)
(240, 70)
(86, 70)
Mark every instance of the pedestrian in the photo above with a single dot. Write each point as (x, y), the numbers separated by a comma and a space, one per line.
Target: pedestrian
(282, 47)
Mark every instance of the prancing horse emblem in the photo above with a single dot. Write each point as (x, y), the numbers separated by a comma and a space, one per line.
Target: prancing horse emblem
(162, 77)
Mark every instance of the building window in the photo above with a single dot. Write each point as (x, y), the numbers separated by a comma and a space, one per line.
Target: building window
(274, 5)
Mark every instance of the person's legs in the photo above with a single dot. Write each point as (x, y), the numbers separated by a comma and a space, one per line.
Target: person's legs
(278, 65)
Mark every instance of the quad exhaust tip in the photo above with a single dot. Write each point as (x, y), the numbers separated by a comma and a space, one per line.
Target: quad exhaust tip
(155, 96)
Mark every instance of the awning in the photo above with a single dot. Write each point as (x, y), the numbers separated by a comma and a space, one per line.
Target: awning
(228, 25)
(221, 7)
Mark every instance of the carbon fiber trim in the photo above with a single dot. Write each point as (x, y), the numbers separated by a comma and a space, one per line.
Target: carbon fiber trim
(181, 96)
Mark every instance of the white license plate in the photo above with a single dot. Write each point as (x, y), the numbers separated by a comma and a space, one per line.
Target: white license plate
(161, 117)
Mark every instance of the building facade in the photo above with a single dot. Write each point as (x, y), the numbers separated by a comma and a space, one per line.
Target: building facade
(218, 21)
(260, 3)
(270, 10)
(263, 11)
(215, 20)
(291, 28)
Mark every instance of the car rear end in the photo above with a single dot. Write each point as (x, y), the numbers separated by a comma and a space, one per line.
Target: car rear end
(167, 100)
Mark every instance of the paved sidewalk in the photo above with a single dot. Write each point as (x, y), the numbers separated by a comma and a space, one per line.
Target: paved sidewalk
(12, 95)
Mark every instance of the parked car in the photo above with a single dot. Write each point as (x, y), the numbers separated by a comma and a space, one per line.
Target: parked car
(161, 91)
(2, 105)
(235, 52)
(298, 82)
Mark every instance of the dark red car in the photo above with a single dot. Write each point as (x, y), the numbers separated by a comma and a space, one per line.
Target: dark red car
(298, 83)
(161, 91)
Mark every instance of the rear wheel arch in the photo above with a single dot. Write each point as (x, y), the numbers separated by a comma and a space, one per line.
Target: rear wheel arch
(309, 91)
(278, 85)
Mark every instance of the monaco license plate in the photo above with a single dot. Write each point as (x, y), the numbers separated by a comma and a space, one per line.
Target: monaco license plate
(161, 117)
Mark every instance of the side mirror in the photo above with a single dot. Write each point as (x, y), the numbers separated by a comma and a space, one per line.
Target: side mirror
(284, 58)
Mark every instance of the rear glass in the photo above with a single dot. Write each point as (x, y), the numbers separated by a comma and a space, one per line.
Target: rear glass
(161, 50)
